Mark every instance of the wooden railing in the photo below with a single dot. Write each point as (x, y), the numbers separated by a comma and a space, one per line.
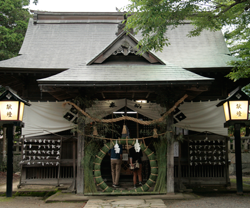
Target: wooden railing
(200, 171)
(49, 172)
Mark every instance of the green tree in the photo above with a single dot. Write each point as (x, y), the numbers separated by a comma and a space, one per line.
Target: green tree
(153, 18)
(13, 24)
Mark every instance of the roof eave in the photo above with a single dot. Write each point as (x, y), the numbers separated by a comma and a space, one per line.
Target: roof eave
(123, 83)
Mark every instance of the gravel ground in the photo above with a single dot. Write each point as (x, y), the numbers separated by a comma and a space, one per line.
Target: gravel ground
(214, 200)
(3, 178)
(35, 202)
(205, 201)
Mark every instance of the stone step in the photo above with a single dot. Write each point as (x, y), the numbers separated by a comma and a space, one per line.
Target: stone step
(125, 203)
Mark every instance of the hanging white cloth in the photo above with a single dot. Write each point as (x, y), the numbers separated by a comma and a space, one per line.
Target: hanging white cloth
(203, 116)
(48, 117)
(44, 118)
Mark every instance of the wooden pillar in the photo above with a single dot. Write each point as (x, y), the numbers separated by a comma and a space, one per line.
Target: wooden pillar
(9, 182)
(80, 155)
(226, 160)
(179, 166)
(74, 163)
(4, 145)
(238, 158)
(170, 158)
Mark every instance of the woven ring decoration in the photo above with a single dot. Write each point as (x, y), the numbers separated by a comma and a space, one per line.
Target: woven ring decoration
(123, 141)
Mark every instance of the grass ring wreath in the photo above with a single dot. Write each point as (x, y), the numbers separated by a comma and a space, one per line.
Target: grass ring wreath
(123, 141)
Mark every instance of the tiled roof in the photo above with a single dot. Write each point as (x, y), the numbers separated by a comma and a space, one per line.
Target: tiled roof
(103, 73)
(205, 51)
(65, 44)
(71, 44)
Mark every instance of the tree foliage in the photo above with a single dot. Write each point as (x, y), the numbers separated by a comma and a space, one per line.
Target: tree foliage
(13, 20)
(153, 18)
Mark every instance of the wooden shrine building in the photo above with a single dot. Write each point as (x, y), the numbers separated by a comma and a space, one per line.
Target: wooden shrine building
(66, 55)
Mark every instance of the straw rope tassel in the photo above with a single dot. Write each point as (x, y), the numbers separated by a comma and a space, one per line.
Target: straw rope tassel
(155, 135)
(95, 133)
(124, 129)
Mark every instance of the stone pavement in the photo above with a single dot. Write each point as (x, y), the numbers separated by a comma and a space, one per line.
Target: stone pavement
(70, 197)
(125, 203)
(218, 200)
(115, 201)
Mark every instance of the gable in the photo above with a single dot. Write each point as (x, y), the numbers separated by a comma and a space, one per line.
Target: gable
(125, 60)
(124, 44)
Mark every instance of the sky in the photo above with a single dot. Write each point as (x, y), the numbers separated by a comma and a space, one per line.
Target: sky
(79, 5)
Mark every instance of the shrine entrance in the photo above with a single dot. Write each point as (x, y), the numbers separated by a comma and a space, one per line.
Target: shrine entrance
(135, 130)
(102, 183)
(165, 135)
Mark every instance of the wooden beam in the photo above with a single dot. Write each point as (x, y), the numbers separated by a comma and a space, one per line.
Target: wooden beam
(198, 88)
(148, 94)
(202, 137)
(124, 90)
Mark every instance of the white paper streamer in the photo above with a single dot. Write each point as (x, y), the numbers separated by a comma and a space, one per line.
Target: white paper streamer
(137, 146)
(116, 148)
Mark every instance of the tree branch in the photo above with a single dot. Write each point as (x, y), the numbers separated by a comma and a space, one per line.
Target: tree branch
(230, 6)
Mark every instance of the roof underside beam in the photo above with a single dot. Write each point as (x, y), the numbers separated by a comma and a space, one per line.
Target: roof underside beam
(132, 92)
(137, 83)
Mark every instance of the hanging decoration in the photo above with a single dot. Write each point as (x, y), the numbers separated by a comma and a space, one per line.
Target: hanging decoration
(137, 146)
(127, 139)
(117, 148)
(95, 133)
(155, 135)
(128, 117)
(99, 157)
(124, 129)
